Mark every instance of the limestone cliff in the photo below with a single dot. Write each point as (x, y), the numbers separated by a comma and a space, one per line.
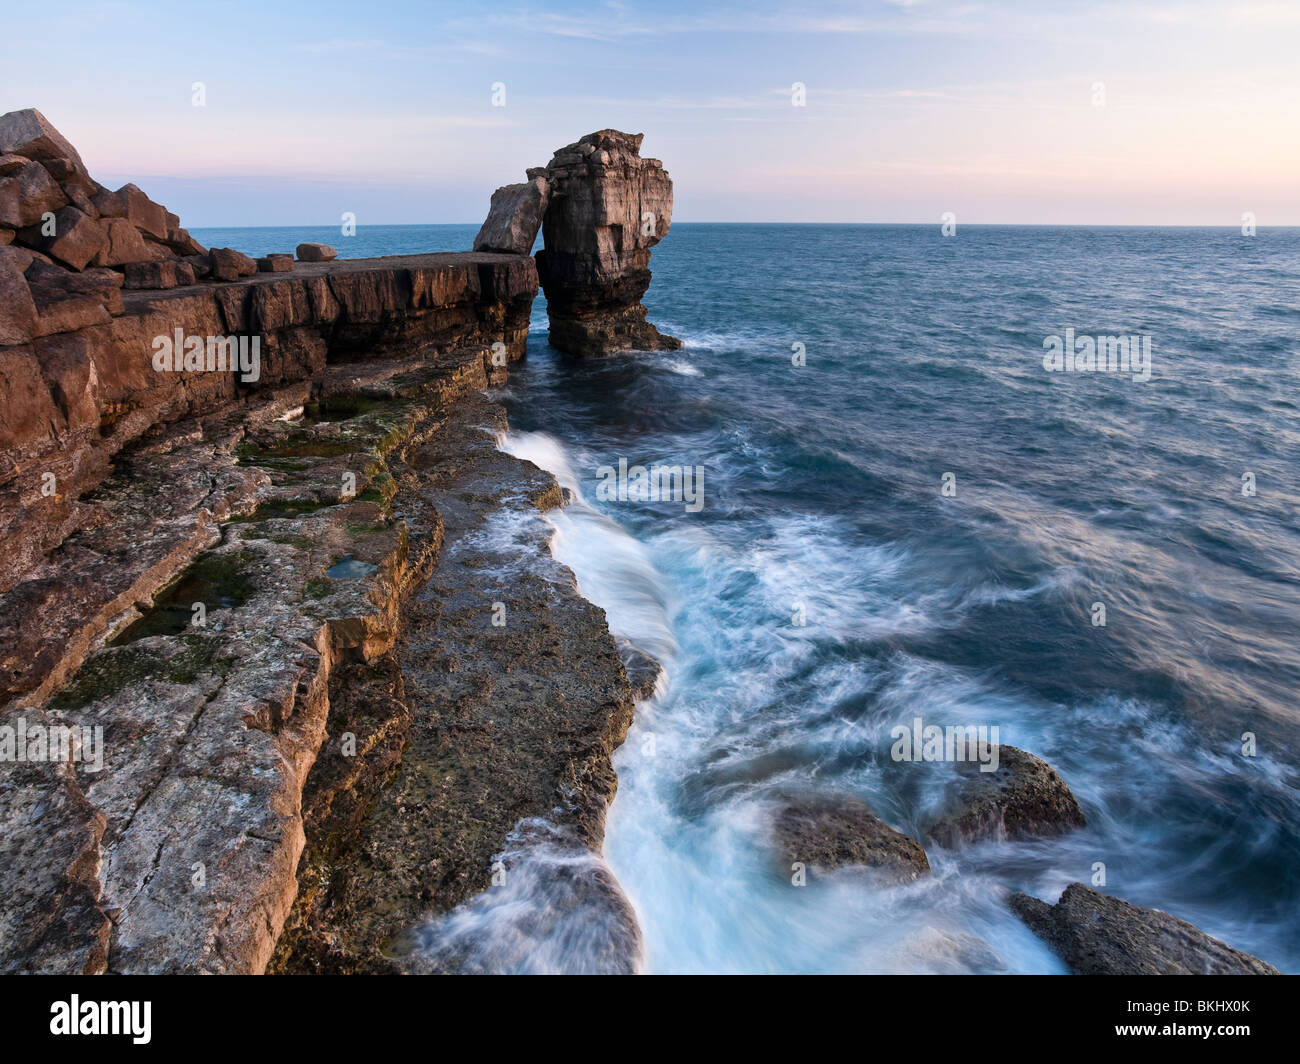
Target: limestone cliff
(216, 568)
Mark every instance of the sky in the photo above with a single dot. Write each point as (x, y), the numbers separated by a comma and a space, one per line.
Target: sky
(1171, 112)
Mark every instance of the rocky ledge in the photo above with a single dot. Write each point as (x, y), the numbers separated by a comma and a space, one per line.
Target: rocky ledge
(251, 670)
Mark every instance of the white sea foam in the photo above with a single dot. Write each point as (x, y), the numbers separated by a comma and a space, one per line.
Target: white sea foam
(757, 702)
(612, 568)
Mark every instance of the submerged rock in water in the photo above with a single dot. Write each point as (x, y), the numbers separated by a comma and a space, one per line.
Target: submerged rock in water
(1099, 935)
(837, 831)
(1024, 797)
(642, 670)
(554, 908)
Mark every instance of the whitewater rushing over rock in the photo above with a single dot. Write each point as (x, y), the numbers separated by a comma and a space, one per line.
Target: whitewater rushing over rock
(828, 595)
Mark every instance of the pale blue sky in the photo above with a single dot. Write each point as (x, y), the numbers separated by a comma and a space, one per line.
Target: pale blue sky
(914, 107)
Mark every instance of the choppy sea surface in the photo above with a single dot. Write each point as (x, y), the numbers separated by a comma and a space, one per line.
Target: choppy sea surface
(830, 589)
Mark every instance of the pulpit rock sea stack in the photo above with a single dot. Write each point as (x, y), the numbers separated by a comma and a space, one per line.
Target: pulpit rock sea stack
(601, 208)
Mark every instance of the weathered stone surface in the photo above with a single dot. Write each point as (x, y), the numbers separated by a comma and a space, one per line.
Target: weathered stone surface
(142, 212)
(73, 311)
(608, 207)
(310, 252)
(109, 204)
(1025, 797)
(1099, 935)
(514, 218)
(124, 244)
(836, 831)
(30, 133)
(51, 921)
(532, 710)
(275, 263)
(17, 309)
(38, 194)
(50, 284)
(230, 265)
(80, 199)
(11, 216)
(352, 309)
(6, 237)
(71, 176)
(180, 241)
(168, 273)
(11, 163)
(76, 238)
(127, 493)
(201, 264)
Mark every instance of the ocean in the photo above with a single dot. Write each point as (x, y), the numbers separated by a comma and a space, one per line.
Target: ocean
(907, 515)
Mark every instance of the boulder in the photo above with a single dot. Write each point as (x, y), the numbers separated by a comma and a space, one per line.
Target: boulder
(70, 176)
(124, 244)
(836, 831)
(52, 284)
(6, 237)
(201, 264)
(76, 238)
(30, 134)
(1023, 798)
(166, 273)
(230, 265)
(1099, 935)
(180, 241)
(80, 199)
(11, 163)
(514, 218)
(276, 263)
(17, 308)
(38, 193)
(109, 204)
(71, 312)
(149, 217)
(310, 252)
(11, 215)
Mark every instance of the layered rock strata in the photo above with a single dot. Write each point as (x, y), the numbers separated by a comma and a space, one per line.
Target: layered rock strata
(77, 398)
(210, 566)
(510, 695)
(601, 208)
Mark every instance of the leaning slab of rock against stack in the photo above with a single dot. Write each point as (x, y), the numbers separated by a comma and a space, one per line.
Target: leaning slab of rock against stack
(601, 208)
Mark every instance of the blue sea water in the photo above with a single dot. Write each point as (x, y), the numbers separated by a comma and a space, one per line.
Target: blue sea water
(368, 241)
(823, 498)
